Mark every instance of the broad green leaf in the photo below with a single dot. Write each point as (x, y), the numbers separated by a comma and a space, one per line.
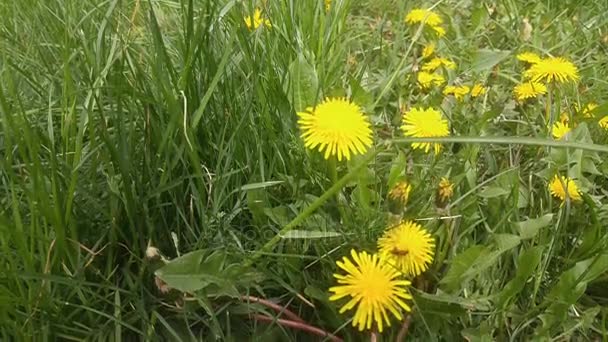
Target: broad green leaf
(569, 288)
(493, 191)
(303, 83)
(437, 304)
(529, 228)
(194, 271)
(504, 242)
(486, 59)
(526, 264)
(305, 234)
(460, 264)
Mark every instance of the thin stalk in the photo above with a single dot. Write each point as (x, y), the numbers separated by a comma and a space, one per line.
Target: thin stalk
(311, 208)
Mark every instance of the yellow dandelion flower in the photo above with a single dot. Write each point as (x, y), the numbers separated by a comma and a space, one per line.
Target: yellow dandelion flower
(374, 287)
(445, 189)
(254, 21)
(459, 92)
(425, 123)
(604, 122)
(427, 80)
(420, 15)
(529, 57)
(562, 187)
(408, 247)
(439, 30)
(560, 130)
(551, 69)
(436, 62)
(478, 90)
(401, 192)
(336, 126)
(588, 110)
(428, 50)
(529, 90)
(327, 5)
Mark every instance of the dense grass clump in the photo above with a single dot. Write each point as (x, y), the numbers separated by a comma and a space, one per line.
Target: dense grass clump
(158, 179)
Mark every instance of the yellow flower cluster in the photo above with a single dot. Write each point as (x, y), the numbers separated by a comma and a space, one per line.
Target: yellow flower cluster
(256, 20)
(426, 17)
(376, 284)
(459, 92)
(541, 71)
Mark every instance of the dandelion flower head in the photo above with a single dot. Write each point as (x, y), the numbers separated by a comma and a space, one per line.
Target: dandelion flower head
(529, 90)
(604, 122)
(428, 50)
(427, 80)
(408, 247)
(437, 62)
(425, 123)
(551, 69)
(445, 189)
(529, 57)
(459, 92)
(420, 15)
(477, 90)
(256, 20)
(337, 127)
(560, 130)
(588, 110)
(562, 187)
(400, 192)
(374, 287)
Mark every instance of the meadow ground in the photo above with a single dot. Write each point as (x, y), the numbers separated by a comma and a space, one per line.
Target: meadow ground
(161, 179)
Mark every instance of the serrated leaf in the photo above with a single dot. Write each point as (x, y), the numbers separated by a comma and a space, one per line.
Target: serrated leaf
(306, 234)
(530, 228)
(486, 59)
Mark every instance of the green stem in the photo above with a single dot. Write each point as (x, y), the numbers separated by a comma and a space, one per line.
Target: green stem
(310, 209)
(505, 141)
(333, 177)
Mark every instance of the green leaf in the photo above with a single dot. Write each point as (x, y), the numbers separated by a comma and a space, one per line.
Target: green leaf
(194, 271)
(570, 287)
(397, 169)
(303, 82)
(439, 304)
(529, 228)
(526, 264)
(486, 59)
(460, 264)
(493, 191)
(305, 234)
(261, 185)
(504, 242)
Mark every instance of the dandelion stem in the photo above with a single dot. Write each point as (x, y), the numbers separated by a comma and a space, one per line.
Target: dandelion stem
(297, 325)
(337, 186)
(333, 177)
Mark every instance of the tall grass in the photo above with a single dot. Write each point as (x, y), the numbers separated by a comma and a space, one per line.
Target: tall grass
(125, 124)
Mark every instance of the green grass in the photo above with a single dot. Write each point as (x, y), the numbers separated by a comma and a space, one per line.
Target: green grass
(125, 124)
